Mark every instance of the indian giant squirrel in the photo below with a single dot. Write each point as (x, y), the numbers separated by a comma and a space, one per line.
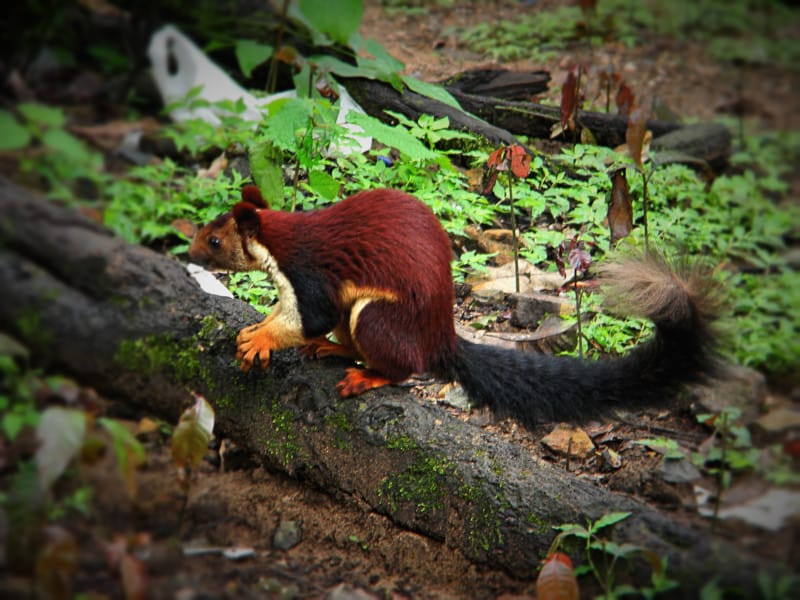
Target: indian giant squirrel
(374, 270)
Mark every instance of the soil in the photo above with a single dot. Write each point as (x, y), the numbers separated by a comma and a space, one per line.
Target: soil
(342, 549)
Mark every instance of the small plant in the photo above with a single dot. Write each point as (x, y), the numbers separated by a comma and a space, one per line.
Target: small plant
(43, 488)
(516, 163)
(431, 130)
(143, 206)
(255, 288)
(39, 133)
(603, 555)
(190, 440)
(469, 262)
(734, 451)
(574, 254)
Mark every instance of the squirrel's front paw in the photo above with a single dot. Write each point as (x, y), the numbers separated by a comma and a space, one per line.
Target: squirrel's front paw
(251, 343)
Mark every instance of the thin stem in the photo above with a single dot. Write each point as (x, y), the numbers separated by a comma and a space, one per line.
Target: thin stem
(272, 74)
(644, 208)
(295, 182)
(578, 311)
(514, 231)
(722, 431)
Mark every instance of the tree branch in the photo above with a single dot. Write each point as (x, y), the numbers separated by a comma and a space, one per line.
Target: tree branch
(133, 324)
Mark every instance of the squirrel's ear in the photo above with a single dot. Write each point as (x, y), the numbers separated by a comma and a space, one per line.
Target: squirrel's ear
(252, 194)
(246, 217)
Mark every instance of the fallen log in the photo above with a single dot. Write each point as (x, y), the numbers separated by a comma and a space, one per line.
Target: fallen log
(133, 324)
(500, 121)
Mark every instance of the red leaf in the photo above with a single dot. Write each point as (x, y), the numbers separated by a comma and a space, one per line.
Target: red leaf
(791, 447)
(497, 159)
(490, 182)
(570, 98)
(634, 135)
(625, 99)
(520, 161)
(556, 580)
(620, 209)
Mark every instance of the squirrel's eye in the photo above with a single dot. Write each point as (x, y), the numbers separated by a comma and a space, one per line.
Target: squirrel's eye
(214, 242)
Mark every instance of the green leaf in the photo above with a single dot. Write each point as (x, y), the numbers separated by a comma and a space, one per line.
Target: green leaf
(128, 450)
(13, 135)
(431, 90)
(287, 117)
(331, 64)
(609, 519)
(65, 143)
(251, 54)
(60, 435)
(338, 20)
(395, 137)
(124, 441)
(12, 424)
(572, 529)
(382, 57)
(369, 68)
(265, 163)
(42, 115)
(668, 447)
(325, 185)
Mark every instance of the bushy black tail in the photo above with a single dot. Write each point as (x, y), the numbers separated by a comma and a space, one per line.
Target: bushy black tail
(533, 388)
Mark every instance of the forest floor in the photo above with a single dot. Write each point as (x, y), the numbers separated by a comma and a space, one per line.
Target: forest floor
(224, 538)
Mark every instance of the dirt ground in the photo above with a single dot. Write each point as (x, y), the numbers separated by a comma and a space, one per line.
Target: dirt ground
(336, 546)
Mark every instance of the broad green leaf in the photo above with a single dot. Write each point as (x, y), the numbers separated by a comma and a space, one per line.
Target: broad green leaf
(382, 57)
(339, 20)
(265, 163)
(331, 64)
(430, 90)
(325, 185)
(286, 118)
(42, 115)
(251, 54)
(65, 143)
(609, 519)
(395, 137)
(13, 135)
(369, 68)
(60, 434)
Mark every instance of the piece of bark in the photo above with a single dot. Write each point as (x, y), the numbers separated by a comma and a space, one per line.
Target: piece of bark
(133, 324)
(499, 83)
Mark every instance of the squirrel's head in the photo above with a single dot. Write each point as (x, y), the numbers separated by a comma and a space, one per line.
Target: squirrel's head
(223, 244)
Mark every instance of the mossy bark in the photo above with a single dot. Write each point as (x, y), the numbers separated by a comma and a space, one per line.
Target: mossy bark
(133, 324)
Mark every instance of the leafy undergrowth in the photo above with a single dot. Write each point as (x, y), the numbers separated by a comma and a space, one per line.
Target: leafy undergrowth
(95, 502)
